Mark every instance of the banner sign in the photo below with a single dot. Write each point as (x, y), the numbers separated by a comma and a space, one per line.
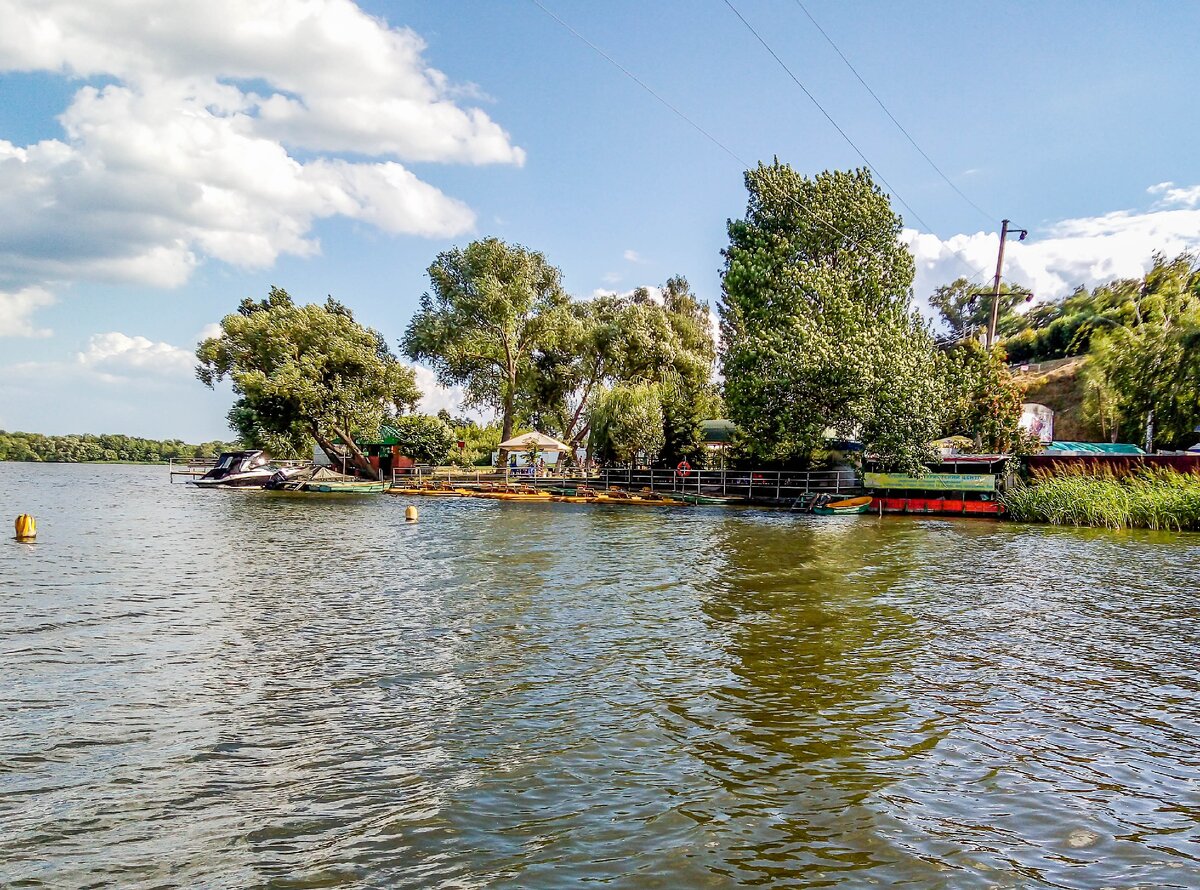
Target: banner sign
(931, 481)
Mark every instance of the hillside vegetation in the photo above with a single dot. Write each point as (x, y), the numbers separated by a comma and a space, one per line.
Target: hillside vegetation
(1115, 362)
(86, 447)
(1059, 386)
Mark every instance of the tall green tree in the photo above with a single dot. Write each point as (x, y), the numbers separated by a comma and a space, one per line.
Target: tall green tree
(487, 309)
(306, 370)
(612, 340)
(1146, 371)
(425, 439)
(817, 329)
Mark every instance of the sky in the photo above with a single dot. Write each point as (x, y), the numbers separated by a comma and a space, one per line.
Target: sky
(161, 161)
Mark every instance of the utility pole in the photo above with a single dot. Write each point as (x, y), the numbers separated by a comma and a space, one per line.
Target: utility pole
(991, 331)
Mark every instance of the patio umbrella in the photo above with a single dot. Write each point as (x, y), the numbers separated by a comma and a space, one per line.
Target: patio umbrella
(526, 441)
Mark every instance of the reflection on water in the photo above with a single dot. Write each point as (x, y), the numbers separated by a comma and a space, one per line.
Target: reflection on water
(230, 689)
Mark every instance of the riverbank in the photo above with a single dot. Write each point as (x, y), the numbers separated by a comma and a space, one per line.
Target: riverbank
(1150, 499)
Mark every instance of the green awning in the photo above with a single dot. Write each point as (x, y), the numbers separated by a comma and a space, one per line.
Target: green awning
(1091, 448)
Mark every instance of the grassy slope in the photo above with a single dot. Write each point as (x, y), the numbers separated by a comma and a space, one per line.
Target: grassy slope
(1056, 385)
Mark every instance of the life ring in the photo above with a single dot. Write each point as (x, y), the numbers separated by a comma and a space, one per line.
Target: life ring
(684, 469)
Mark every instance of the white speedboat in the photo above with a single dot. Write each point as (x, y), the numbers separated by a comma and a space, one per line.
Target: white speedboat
(239, 469)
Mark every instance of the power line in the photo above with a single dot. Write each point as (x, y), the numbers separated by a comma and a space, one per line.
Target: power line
(718, 143)
(828, 116)
(962, 259)
(891, 116)
(699, 129)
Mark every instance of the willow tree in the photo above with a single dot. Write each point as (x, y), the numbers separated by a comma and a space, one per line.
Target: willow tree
(818, 333)
(478, 326)
(626, 421)
(1151, 367)
(306, 370)
(663, 339)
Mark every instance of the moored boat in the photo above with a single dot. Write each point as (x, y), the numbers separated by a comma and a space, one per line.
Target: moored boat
(364, 487)
(241, 469)
(431, 490)
(847, 507)
(319, 480)
(705, 500)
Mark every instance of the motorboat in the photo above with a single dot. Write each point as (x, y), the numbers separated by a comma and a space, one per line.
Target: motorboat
(239, 469)
(321, 480)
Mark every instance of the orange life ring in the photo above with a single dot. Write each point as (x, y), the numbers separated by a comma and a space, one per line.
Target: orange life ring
(684, 469)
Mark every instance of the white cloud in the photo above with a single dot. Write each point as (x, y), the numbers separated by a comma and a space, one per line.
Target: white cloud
(203, 145)
(1054, 261)
(435, 397)
(16, 312)
(632, 256)
(115, 356)
(655, 293)
(209, 330)
(1173, 196)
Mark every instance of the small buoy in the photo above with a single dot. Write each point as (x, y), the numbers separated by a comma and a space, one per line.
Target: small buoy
(26, 527)
(410, 514)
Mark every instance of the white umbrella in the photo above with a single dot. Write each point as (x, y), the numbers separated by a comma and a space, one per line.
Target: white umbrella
(526, 441)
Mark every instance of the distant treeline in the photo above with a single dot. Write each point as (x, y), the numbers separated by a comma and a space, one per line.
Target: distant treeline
(86, 447)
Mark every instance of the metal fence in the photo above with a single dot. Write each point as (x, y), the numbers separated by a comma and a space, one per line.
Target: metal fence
(480, 475)
(779, 485)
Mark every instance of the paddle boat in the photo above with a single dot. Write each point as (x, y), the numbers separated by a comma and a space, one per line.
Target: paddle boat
(645, 499)
(432, 490)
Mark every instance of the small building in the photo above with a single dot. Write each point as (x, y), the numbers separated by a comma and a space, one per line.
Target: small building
(718, 436)
(382, 450)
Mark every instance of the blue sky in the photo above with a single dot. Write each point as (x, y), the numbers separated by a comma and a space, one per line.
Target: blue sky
(157, 164)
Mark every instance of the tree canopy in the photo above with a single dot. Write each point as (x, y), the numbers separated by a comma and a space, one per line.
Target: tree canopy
(425, 439)
(626, 422)
(966, 308)
(610, 341)
(817, 330)
(487, 309)
(80, 447)
(983, 401)
(305, 371)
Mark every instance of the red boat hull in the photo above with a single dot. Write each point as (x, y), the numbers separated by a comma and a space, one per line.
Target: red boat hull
(937, 506)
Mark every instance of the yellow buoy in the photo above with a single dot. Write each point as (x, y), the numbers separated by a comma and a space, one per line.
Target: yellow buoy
(410, 514)
(26, 527)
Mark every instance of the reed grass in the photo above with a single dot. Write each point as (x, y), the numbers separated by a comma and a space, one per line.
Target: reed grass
(1148, 498)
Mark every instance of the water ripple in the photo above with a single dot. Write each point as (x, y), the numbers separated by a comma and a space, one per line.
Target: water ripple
(233, 690)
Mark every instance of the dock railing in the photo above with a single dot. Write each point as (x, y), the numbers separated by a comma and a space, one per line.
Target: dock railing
(770, 485)
(778, 486)
(476, 476)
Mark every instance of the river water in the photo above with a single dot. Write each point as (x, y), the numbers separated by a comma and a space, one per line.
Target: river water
(230, 689)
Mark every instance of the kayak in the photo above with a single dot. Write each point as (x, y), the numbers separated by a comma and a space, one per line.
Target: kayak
(844, 508)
